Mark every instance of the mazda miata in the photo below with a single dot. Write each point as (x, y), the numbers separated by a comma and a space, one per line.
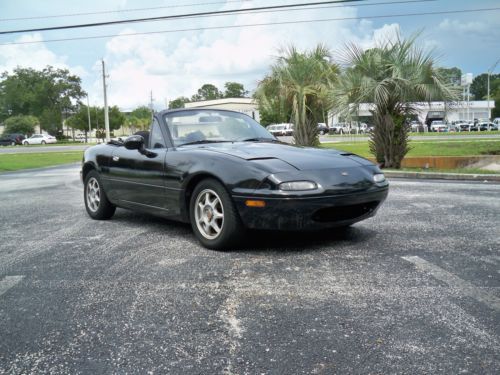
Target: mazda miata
(223, 172)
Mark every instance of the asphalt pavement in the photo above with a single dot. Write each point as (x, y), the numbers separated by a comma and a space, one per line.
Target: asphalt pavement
(414, 290)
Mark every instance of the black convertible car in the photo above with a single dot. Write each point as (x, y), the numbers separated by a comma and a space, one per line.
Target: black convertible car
(223, 172)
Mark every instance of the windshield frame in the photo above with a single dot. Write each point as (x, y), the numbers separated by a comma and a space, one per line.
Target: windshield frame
(252, 128)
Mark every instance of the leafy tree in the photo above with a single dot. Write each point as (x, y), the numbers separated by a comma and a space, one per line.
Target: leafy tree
(79, 120)
(273, 107)
(234, 90)
(495, 112)
(46, 94)
(452, 76)
(178, 103)
(20, 124)
(479, 86)
(207, 92)
(139, 118)
(391, 76)
(304, 82)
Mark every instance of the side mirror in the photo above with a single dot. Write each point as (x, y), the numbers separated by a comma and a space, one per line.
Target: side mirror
(136, 142)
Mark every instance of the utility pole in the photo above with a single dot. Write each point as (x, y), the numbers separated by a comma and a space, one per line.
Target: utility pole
(88, 115)
(151, 100)
(490, 70)
(106, 113)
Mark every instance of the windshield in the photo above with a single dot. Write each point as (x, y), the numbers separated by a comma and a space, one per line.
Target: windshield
(211, 126)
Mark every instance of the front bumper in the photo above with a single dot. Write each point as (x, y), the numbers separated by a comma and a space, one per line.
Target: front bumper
(310, 213)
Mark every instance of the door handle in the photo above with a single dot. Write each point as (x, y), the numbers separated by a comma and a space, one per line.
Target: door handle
(116, 158)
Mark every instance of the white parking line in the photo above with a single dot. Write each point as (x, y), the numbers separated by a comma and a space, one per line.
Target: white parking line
(456, 282)
(8, 282)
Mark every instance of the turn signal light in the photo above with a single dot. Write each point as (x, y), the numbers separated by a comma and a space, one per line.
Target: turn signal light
(253, 203)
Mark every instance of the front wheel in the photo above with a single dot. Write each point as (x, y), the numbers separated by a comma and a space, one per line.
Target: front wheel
(96, 202)
(26, 143)
(214, 218)
(43, 142)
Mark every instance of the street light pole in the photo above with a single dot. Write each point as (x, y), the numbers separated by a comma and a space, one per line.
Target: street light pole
(106, 113)
(88, 115)
(490, 70)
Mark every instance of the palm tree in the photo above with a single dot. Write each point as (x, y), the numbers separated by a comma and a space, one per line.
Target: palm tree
(300, 84)
(391, 76)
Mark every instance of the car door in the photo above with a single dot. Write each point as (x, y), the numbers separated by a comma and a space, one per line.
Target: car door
(138, 180)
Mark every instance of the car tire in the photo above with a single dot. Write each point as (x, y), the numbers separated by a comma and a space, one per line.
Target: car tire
(96, 202)
(25, 143)
(321, 132)
(12, 143)
(43, 142)
(213, 216)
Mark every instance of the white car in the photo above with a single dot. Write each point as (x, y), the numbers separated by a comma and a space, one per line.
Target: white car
(439, 126)
(39, 139)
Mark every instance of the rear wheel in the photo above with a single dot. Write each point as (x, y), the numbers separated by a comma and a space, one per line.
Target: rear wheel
(214, 218)
(12, 143)
(96, 202)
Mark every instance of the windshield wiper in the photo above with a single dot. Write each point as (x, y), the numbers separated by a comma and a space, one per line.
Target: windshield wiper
(201, 141)
(260, 139)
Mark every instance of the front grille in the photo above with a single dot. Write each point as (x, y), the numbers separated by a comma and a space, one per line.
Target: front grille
(341, 213)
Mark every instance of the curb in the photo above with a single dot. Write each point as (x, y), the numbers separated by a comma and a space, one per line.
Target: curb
(444, 176)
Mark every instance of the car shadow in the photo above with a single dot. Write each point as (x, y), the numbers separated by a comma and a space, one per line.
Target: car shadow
(283, 242)
(258, 241)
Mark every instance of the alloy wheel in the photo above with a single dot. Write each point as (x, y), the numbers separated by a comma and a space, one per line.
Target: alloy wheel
(209, 214)
(93, 194)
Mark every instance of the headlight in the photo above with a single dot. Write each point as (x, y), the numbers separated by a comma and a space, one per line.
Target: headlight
(298, 186)
(379, 177)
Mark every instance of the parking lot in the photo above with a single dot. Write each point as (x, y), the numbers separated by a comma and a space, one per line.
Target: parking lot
(415, 289)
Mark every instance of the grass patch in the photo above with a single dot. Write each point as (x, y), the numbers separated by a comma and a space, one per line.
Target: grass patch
(426, 134)
(436, 170)
(429, 148)
(14, 162)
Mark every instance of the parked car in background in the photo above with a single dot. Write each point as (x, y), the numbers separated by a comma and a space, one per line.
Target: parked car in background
(340, 128)
(288, 129)
(462, 127)
(277, 129)
(11, 139)
(323, 129)
(416, 126)
(439, 126)
(39, 139)
(483, 126)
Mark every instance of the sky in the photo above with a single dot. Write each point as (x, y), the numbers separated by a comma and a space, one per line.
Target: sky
(177, 63)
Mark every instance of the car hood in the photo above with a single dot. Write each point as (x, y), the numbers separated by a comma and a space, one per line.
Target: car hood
(301, 158)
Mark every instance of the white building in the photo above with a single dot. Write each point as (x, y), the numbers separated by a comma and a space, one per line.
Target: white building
(244, 105)
(455, 111)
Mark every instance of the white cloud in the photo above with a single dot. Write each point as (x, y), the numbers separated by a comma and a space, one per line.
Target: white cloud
(175, 64)
(457, 26)
(36, 56)
(172, 67)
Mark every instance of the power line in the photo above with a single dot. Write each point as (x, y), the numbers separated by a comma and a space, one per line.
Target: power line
(257, 25)
(162, 18)
(323, 7)
(243, 11)
(120, 11)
